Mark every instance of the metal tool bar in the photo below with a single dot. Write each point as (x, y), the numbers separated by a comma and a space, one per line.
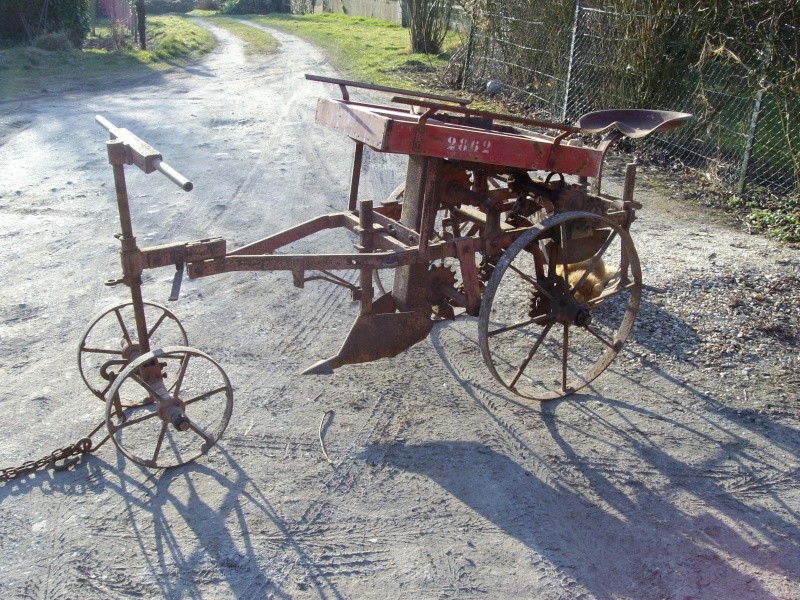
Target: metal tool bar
(484, 113)
(391, 90)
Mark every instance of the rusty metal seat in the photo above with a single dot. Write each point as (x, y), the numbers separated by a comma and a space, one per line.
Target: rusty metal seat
(631, 122)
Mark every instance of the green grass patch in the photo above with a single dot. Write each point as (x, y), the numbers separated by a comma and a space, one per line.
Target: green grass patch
(778, 217)
(759, 210)
(365, 49)
(256, 41)
(171, 39)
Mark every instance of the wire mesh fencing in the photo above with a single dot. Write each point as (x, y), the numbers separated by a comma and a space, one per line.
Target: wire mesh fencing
(562, 59)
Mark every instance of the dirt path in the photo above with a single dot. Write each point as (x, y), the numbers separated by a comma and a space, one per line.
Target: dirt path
(677, 475)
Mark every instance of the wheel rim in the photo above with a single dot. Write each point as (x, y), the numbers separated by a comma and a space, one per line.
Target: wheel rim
(543, 335)
(100, 355)
(133, 420)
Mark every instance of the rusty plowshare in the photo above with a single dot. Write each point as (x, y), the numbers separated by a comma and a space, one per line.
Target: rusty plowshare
(500, 218)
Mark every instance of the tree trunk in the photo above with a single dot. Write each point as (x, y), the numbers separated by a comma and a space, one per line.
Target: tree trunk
(140, 23)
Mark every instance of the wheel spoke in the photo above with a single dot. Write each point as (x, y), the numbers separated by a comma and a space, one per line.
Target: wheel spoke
(532, 281)
(108, 387)
(101, 351)
(536, 320)
(596, 334)
(564, 355)
(199, 431)
(122, 326)
(562, 254)
(595, 259)
(552, 254)
(156, 326)
(528, 358)
(205, 395)
(136, 421)
(153, 394)
(617, 290)
(176, 387)
(160, 441)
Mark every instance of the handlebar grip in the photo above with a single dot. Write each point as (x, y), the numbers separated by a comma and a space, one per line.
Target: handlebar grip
(173, 175)
(143, 155)
(106, 124)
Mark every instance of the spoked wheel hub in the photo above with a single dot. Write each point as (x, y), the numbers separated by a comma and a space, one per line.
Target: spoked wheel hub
(168, 407)
(559, 305)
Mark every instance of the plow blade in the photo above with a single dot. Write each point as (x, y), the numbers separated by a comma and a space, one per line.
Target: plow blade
(376, 336)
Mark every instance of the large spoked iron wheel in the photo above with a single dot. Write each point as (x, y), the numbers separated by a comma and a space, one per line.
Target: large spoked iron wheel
(142, 426)
(111, 342)
(559, 305)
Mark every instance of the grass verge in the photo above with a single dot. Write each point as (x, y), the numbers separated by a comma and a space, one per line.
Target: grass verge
(365, 49)
(171, 40)
(777, 216)
(256, 41)
(757, 211)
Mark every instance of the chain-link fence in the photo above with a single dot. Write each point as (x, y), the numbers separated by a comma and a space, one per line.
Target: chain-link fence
(562, 59)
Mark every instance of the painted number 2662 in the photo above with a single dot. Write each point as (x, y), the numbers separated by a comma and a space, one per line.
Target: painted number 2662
(456, 144)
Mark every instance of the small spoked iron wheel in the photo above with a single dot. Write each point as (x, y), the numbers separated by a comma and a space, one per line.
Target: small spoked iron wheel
(168, 407)
(110, 342)
(559, 305)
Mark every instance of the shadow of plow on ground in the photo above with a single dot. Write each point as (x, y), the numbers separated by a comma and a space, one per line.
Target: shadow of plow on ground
(191, 528)
(644, 546)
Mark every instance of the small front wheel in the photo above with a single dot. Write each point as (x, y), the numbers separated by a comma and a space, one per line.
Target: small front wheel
(559, 305)
(168, 407)
(110, 342)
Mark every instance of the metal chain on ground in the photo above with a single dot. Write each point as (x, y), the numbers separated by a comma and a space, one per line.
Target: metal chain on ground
(78, 449)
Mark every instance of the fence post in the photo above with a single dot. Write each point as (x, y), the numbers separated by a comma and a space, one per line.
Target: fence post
(751, 136)
(465, 73)
(572, 45)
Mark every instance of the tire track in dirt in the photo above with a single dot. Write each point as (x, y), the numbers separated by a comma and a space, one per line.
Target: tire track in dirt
(292, 108)
(338, 543)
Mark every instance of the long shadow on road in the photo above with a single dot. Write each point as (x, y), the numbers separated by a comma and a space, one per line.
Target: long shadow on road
(610, 553)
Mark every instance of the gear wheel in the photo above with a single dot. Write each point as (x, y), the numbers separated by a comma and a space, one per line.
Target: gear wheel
(437, 277)
(452, 176)
(574, 197)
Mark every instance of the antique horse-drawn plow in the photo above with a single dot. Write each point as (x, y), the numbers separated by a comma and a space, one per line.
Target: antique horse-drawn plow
(499, 217)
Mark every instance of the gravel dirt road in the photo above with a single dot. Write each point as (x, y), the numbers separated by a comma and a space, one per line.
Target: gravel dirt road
(676, 475)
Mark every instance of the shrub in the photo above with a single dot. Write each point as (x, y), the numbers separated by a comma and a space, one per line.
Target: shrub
(206, 5)
(252, 7)
(33, 58)
(428, 21)
(162, 7)
(28, 20)
(53, 42)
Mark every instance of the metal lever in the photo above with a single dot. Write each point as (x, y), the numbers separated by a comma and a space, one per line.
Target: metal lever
(176, 283)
